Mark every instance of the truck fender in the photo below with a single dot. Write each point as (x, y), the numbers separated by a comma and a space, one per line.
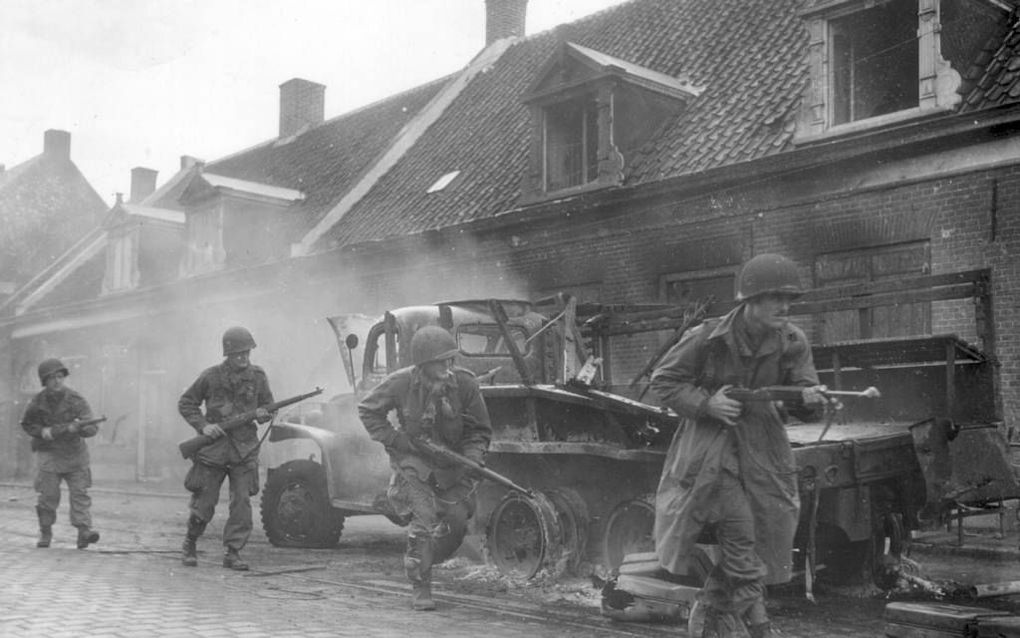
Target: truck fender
(326, 441)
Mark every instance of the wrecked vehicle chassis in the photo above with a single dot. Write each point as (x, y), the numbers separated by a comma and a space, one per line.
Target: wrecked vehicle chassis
(592, 453)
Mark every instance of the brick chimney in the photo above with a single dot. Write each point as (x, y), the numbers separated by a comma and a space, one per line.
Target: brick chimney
(301, 103)
(187, 161)
(143, 183)
(504, 18)
(57, 144)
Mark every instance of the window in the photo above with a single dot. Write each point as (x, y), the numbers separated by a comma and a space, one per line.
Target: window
(571, 144)
(873, 62)
(881, 263)
(486, 340)
(591, 112)
(121, 260)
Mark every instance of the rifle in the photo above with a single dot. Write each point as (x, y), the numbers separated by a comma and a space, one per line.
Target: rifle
(794, 393)
(61, 429)
(190, 447)
(445, 454)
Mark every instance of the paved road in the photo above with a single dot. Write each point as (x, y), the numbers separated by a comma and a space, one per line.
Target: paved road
(132, 585)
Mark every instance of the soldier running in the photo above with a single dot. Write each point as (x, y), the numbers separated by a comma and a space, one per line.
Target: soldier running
(435, 400)
(53, 419)
(730, 466)
(232, 387)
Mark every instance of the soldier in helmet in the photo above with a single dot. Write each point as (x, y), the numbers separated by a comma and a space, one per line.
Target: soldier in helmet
(730, 467)
(433, 399)
(52, 420)
(232, 387)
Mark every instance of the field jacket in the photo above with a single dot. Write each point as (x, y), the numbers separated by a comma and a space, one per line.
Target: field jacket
(225, 393)
(453, 415)
(67, 451)
(757, 450)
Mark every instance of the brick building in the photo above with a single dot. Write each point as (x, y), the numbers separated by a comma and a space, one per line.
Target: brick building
(639, 154)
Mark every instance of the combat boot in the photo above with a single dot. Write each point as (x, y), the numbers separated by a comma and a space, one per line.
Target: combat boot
(189, 551)
(418, 566)
(757, 619)
(232, 560)
(421, 598)
(86, 537)
(45, 536)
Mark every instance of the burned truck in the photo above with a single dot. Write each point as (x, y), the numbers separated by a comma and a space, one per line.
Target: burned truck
(573, 423)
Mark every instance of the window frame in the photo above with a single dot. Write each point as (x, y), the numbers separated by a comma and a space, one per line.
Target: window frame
(938, 82)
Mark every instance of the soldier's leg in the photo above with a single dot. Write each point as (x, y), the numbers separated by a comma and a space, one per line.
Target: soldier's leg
(203, 481)
(238, 527)
(408, 491)
(456, 507)
(78, 483)
(47, 487)
(737, 581)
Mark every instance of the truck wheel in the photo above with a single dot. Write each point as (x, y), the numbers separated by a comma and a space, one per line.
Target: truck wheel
(296, 511)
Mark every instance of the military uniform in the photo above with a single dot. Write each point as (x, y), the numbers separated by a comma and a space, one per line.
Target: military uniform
(740, 480)
(64, 458)
(225, 393)
(439, 497)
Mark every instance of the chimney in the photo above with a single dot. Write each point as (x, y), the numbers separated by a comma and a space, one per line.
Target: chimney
(57, 144)
(187, 161)
(504, 18)
(302, 103)
(143, 183)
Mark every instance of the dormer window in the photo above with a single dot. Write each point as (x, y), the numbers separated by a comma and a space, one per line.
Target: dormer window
(233, 222)
(874, 62)
(590, 113)
(571, 141)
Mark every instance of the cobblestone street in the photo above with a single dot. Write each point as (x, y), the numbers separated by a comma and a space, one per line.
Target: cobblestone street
(131, 584)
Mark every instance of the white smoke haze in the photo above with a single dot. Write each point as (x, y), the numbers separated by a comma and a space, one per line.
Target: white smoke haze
(134, 371)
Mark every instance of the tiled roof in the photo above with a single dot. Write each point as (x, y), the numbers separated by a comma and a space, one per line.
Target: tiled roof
(748, 54)
(996, 73)
(45, 206)
(325, 161)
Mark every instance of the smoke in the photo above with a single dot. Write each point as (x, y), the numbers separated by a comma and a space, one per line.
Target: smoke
(133, 364)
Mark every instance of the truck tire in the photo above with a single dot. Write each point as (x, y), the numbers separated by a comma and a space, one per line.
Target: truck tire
(296, 511)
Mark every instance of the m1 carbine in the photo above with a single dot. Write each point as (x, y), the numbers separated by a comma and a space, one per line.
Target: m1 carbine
(793, 394)
(190, 447)
(439, 452)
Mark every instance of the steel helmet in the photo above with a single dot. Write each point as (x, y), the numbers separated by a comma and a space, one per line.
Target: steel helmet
(432, 343)
(51, 366)
(237, 339)
(766, 273)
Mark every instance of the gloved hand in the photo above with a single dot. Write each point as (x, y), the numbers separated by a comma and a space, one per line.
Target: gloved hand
(402, 443)
(72, 428)
(262, 415)
(47, 433)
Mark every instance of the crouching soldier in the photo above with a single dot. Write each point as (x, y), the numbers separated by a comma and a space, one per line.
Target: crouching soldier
(54, 419)
(436, 401)
(233, 387)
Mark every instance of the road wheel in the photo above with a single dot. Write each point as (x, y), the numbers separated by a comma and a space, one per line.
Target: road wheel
(295, 507)
(629, 530)
(524, 535)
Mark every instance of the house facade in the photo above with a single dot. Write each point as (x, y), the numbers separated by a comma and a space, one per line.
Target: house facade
(640, 154)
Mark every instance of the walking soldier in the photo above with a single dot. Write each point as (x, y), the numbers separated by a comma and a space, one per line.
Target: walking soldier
(230, 388)
(57, 419)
